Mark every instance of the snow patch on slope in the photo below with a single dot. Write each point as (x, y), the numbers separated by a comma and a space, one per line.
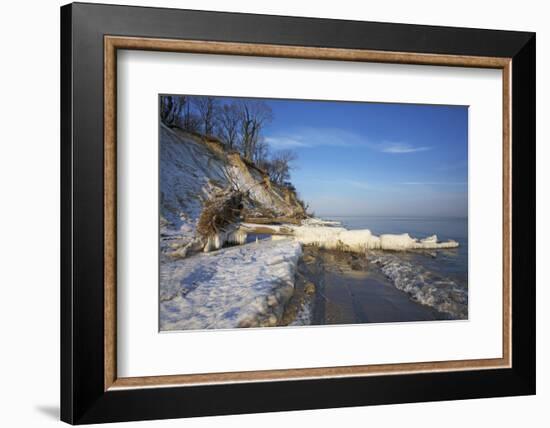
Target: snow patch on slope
(191, 171)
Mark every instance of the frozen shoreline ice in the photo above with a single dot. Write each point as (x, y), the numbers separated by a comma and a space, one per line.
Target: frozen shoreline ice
(357, 241)
(423, 286)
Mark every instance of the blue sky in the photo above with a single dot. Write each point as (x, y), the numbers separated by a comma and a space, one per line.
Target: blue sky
(374, 158)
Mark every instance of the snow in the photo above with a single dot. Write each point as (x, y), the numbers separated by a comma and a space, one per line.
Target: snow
(243, 286)
(189, 173)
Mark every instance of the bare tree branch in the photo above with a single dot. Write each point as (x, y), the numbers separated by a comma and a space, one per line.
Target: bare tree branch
(207, 108)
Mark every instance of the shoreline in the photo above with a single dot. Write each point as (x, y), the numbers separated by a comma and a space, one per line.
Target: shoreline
(349, 291)
(328, 283)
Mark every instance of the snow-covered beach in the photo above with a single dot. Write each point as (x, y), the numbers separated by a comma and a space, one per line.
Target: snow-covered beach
(253, 284)
(241, 286)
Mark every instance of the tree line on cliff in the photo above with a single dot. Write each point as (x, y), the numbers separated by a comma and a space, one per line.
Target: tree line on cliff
(237, 123)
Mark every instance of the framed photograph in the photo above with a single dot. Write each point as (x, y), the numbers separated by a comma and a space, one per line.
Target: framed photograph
(266, 213)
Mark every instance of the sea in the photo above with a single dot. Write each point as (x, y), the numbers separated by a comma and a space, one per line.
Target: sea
(436, 278)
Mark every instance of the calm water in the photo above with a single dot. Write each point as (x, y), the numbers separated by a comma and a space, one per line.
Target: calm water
(437, 278)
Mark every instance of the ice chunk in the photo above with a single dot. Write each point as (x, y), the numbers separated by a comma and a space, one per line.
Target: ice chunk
(358, 241)
(397, 242)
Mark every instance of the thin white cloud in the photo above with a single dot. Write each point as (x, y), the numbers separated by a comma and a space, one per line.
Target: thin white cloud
(285, 142)
(315, 137)
(335, 137)
(433, 183)
(400, 148)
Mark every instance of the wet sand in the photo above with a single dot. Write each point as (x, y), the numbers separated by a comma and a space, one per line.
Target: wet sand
(348, 292)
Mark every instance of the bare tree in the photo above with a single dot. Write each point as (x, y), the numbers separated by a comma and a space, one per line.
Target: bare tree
(190, 120)
(261, 152)
(254, 115)
(228, 124)
(171, 107)
(280, 166)
(207, 108)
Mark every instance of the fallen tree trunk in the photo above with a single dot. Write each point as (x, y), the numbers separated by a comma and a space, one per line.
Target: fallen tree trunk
(266, 229)
(272, 220)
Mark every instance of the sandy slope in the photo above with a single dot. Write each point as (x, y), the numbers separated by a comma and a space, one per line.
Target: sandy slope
(192, 169)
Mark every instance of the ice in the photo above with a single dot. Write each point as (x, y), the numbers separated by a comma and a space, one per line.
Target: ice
(336, 238)
(242, 286)
(313, 221)
(424, 286)
(357, 241)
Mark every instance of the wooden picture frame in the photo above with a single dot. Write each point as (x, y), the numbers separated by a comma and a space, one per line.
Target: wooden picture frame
(91, 390)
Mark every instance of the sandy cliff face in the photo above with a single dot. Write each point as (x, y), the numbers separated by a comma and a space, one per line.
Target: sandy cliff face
(192, 170)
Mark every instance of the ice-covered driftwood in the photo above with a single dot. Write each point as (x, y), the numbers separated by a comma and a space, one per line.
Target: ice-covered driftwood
(319, 235)
(339, 238)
